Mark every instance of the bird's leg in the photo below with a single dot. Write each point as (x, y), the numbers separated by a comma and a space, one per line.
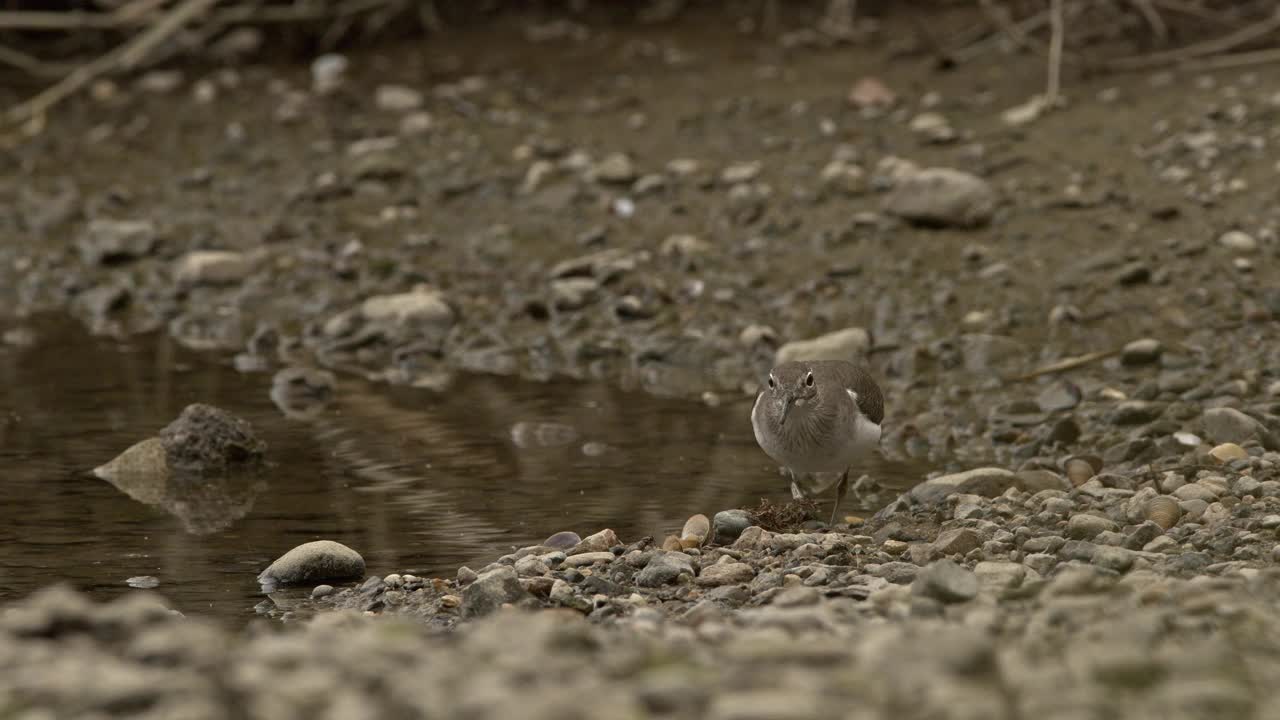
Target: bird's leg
(796, 494)
(842, 487)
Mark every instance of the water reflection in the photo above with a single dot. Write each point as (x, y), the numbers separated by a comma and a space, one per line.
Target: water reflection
(415, 480)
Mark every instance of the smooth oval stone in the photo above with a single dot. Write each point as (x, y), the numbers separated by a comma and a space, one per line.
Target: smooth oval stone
(318, 560)
(562, 540)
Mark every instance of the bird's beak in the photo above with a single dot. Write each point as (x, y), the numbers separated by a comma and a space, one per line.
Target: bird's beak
(787, 404)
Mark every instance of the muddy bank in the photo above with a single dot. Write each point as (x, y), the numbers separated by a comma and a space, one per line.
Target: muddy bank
(671, 211)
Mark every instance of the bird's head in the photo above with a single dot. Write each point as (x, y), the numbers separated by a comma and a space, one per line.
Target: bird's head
(792, 387)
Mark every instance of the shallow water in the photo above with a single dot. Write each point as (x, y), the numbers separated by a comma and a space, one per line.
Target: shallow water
(415, 480)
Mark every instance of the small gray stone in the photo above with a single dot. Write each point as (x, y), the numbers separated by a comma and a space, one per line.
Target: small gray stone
(1112, 558)
(492, 590)
(725, 574)
(850, 344)
(317, 560)
(1062, 395)
(1141, 352)
(112, 241)
(1000, 575)
(1085, 526)
(1228, 425)
(946, 582)
(599, 542)
(941, 196)
(466, 575)
(728, 525)
(663, 568)
(987, 482)
(957, 541)
(211, 267)
(320, 591)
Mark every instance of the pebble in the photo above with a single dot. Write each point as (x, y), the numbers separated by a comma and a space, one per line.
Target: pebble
(664, 568)
(397, 98)
(1141, 352)
(1084, 526)
(727, 526)
(850, 344)
(985, 482)
(1238, 241)
(316, 560)
(211, 267)
(958, 541)
(725, 574)
(107, 242)
(491, 590)
(999, 575)
(1228, 425)
(943, 197)
(946, 582)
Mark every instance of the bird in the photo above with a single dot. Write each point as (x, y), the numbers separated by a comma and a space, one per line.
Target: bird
(818, 416)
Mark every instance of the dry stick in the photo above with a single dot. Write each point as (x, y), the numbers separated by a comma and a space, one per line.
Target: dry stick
(1054, 84)
(1152, 16)
(1070, 363)
(123, 56)
(1244, 35)
(64, 21)
(138, 48)
(1199, 13)
(979, 46)
(1235, 60)
(29, 64)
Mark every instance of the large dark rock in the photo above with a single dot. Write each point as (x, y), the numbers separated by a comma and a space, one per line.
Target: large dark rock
(206, 439)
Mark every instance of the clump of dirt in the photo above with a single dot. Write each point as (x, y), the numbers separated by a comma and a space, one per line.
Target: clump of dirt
(784, 518)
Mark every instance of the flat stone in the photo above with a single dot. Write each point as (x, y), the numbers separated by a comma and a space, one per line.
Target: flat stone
(1084, 526)
(1228, 425)
(850, 344)
(113, 241)
(726, 574)
(727, 525)
(1141, 352)
(1112, 558)
(957, 541)
(212, 267)
(986, 482)
(421, 305)
(940, 196)
(604, 540)
(663, 568)
(946, 582)
(999, 575)
(589, 558)
(493, 589)
(313, 561)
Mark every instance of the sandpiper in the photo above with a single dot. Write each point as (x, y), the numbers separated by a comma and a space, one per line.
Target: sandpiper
(819, 416)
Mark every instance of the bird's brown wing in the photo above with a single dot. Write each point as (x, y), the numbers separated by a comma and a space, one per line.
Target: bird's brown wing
(857, 379)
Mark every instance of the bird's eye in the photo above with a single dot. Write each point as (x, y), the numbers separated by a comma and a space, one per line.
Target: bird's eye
(770, 382)
(808, 380)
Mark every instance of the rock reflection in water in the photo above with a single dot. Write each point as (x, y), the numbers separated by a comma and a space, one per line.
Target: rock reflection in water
(203, 504)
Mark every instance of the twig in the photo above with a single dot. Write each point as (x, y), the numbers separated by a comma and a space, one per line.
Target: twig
(1240, 37)
(1070, 363)
(1152, 16)
(1199, 13)
(38, 21)
(978, 46)
(138, 48)
(30, 65)
(1235, 60)
(1054, 84)
(125, 56)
